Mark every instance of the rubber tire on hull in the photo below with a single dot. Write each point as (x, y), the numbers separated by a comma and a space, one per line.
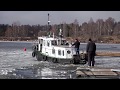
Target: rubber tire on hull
(40, 57)
(37, 57)
(72, 62)
(54, 60)
(76, 61)
(44, 58)
(33, 54)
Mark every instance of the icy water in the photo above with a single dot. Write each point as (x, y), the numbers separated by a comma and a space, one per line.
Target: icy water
(15, 63)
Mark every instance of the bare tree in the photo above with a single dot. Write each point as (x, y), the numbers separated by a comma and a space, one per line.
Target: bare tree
(76, 25)
(116, 30)
(91, 27)
(109, 23)
(99, 23)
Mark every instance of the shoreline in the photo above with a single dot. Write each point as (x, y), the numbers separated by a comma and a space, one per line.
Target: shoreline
(33, 41)
(30, 41)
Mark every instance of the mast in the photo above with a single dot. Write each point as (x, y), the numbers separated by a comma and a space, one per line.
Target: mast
(60, 35)
(48, 20)
(48, 25)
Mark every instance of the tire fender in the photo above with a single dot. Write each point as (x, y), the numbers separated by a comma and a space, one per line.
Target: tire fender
(33, 54)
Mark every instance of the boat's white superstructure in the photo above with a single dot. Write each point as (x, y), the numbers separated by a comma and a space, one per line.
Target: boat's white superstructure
(55, 47)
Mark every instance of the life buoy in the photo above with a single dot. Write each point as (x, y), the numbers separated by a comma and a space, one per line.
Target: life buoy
(72, 62)
(44, 58)
(33, 54)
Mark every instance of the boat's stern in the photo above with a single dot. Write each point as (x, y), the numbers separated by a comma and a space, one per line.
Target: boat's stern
(71, 54)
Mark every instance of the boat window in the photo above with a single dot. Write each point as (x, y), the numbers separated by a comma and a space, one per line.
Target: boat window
(63, 52)
(54, 42)
(48, 43)
(63, 42)
(37, 47)
(59, 52)
(44, 42)
(39, 41)
(53, 51)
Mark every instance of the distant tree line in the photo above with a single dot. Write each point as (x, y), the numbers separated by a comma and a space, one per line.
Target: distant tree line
(93, 29)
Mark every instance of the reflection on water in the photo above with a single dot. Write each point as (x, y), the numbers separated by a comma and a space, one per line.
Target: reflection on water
(17, 63)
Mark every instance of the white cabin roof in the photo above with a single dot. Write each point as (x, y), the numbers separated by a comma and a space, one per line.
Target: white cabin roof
(49, 38)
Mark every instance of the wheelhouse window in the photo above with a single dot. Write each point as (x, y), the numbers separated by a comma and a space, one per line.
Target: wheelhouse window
(62, 42)
(54, 42)
(44, 42)
(39, 41)
(48, 44)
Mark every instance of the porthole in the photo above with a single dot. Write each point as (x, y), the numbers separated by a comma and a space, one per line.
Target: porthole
(68, 52)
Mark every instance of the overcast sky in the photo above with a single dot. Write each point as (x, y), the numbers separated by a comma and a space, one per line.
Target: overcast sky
(56, 17)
